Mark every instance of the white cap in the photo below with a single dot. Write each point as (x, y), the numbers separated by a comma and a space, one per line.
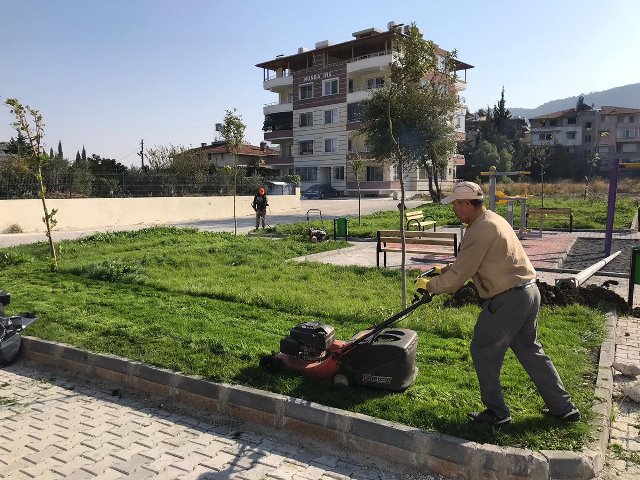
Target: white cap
(465, 191)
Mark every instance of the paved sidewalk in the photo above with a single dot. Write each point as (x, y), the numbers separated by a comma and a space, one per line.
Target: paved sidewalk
(60, 427)
(625, 426)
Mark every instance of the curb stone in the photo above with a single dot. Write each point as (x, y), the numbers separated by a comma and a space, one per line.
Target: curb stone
(411, 449)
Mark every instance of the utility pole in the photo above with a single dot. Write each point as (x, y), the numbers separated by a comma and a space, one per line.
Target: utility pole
(141, 152)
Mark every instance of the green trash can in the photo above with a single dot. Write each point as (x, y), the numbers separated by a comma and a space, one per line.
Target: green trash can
(340, 228)
(634, 277)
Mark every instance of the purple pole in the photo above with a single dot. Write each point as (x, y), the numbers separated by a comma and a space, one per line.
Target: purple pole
(611, 210)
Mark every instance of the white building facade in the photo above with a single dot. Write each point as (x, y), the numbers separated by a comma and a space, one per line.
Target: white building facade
(315, 119)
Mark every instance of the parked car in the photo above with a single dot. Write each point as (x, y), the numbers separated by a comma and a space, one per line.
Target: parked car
(320, 191)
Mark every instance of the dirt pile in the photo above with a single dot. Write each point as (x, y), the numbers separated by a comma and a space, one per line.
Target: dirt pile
(591, 296)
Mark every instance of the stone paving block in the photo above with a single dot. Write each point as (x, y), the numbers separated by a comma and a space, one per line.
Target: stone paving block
(219, 461)
(136, 461)
(80, 475)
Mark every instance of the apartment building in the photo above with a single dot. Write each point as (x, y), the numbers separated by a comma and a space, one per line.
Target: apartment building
(315, 121)
(614, 132)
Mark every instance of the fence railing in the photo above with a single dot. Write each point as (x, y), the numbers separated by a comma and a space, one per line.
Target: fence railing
(83, 184)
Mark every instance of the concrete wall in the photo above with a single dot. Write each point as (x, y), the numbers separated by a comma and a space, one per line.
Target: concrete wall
(85, 213)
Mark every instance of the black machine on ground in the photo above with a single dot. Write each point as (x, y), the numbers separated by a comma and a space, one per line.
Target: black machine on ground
(11, 331)
(316, 234)
(381, 357)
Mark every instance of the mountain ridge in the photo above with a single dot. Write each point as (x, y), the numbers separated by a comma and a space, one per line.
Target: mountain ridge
(624, 96)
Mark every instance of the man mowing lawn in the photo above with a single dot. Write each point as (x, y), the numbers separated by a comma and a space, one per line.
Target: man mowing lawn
(493, 257)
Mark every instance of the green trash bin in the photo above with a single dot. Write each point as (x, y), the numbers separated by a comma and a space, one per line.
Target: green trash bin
(340, 228)
(634, 277)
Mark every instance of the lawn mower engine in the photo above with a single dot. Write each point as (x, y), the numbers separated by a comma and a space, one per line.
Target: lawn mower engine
(308, 341)
(317, 235)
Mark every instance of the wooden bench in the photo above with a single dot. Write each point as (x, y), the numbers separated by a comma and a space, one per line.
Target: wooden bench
(416, 242)
(543, 214)
(418, 218)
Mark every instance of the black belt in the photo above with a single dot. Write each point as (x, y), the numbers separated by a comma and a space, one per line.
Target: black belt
(522, 286)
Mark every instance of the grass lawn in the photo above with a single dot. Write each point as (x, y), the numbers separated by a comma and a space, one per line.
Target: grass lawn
(587, 214)
(213, 304)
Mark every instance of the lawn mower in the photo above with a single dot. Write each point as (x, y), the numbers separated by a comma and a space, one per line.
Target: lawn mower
(316, 234)
(11, 331)
(379, 357)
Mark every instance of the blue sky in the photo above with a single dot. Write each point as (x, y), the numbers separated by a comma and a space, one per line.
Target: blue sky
(109, 73)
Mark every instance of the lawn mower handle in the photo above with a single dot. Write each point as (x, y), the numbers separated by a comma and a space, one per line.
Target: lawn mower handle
(418, 301)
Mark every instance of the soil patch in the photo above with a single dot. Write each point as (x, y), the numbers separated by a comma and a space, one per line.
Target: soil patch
(587, 251)
(592, 296)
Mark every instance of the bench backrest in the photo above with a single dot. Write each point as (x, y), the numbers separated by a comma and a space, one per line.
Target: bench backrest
(433, 238)
(415, 215)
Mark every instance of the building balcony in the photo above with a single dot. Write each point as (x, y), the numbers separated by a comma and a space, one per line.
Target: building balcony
(277, 83)
(359, 94)
(278, 161)
(374, 62)
(278, 107)
(278, 135)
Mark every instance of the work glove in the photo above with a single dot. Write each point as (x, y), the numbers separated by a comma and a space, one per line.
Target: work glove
(422, 284)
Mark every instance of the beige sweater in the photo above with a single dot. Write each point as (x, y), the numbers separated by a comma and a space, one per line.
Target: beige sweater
(491, 255)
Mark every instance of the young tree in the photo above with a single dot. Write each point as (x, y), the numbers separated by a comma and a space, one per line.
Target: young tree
(33, 129)
(233, 132)
(20, 146)
(501, 115)
(357, 167)
(410, 120)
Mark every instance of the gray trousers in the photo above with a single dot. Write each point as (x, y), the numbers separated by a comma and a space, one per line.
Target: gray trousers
(509, 320)
(261, 214)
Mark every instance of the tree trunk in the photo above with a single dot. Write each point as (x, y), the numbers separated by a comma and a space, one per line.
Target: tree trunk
(47, 222)
(402, 239)
(235, 188)
(437, 184)
(359, 199)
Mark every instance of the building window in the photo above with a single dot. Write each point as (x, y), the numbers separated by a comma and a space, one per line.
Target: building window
(308, 174)
(306, 91)
(338, 173)
(571, 121)
(553, 123)
(330, 145)
(330, 87)
(350, 85)
(306, 119)
(603, 118)
(571, 135)
(545, 137)
(350, 145)
(628, 132)
(422, 173)
(353, 112)
(587, 124)
(632, 118)
(375, 83)
(306, 147)
(331, 116)
(587, 139)
(374, 174)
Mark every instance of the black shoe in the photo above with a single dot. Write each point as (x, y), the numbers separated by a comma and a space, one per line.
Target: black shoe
(489, 418)
(572, 415)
